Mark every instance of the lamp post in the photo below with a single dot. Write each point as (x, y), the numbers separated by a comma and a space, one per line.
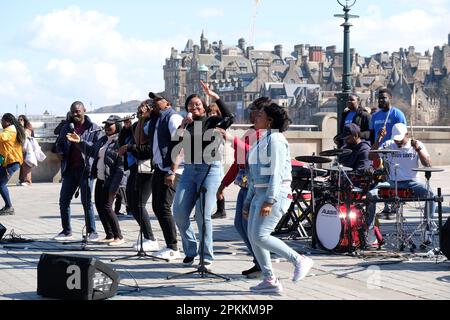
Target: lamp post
(347, 74)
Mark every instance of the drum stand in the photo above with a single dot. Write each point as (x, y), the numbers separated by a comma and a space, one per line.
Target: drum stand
(427, 226)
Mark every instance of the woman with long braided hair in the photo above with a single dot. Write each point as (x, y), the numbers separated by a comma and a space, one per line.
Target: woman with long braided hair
(12, 138)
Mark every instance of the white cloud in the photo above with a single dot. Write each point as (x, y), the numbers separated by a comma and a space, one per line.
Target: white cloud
(15, 79)
(211, 13)
(89, 60)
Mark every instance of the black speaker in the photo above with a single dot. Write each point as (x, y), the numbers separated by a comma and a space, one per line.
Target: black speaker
(75, 278)
(2, 231)
(445, 238)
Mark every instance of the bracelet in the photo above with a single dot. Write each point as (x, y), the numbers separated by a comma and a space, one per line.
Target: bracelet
(419, 149)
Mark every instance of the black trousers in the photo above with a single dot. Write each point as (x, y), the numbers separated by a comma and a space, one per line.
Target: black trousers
(139, 190)
(162, 207)
(104, 203)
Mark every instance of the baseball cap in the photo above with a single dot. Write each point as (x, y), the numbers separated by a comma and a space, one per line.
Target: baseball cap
(156, 96)
(351, 130)
(112, 119)
(399, 131)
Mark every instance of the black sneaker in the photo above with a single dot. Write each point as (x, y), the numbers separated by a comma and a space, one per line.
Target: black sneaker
(219, 215)
(188, 261)
(7, 211)
(253, 271)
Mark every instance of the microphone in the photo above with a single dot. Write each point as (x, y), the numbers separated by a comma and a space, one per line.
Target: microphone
(189, 116)
(71, 127)
(226, 122)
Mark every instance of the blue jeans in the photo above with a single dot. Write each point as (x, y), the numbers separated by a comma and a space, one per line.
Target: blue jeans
(260, 229)
(185, 200)
(5, 174)
(241, 224)
(74, 178)
(420, 191)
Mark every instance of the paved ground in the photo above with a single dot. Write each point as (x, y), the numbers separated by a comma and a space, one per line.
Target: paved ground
(381, 275)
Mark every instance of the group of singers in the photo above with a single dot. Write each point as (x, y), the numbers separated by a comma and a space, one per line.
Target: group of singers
(175, 159)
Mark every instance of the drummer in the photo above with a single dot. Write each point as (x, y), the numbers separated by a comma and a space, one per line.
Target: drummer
(411, 152)
(358, 160)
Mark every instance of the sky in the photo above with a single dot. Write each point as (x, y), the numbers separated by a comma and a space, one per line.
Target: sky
(103, 52)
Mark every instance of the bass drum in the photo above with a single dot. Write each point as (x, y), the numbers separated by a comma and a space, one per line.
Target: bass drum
(332, 229)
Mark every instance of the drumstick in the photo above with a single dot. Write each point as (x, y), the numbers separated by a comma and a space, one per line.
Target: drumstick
(387, 118)
(412, 130)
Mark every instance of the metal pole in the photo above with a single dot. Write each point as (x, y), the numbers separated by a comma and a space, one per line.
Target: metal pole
(347, 73)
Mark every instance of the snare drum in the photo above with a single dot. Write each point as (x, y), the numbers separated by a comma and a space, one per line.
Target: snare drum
(388, 193)
(332, 228)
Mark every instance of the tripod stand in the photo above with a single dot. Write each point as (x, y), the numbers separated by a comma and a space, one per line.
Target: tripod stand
(202, 270)
(141, 254)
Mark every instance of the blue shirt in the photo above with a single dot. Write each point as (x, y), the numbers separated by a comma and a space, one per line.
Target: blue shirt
(379, 118)
(349, 119)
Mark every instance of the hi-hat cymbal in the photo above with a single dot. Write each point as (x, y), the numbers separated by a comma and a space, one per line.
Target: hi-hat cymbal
(339, 168)
(428, 169)
(313, 159)
(335, 152)
(384, 151)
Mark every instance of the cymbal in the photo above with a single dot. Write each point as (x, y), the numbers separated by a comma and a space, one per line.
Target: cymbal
(384, 151)
(428, 169)
(335, 152)
(313, 159)
(341, 168)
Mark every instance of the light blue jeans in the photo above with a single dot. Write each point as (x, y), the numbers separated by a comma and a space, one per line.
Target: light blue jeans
(5, 174)
(185, 200)
(241, 224)
(260, 229)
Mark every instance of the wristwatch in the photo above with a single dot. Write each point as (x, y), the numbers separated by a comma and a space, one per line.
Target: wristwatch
(170, 173)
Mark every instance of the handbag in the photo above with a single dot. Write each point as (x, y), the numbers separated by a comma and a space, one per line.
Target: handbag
(145, 166)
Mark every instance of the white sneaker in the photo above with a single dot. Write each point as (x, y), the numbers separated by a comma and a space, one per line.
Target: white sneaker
(63, 237)
(302, 267)
(147, 245)
(168, 254)
(268, 286)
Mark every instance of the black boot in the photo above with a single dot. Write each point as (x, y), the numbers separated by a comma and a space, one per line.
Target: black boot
(220, 214)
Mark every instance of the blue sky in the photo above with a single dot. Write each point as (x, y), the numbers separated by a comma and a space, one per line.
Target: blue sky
(106, 51)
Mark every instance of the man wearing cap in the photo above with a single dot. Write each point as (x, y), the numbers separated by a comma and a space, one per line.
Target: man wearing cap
(161, 130)
(75, 170)
(358, 160)
(411, 153)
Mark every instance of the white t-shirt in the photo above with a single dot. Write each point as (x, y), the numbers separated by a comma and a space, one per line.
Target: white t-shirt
(407, 159)
(174, 123)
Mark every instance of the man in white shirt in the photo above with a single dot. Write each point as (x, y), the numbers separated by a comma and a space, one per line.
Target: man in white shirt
(160, 130)
(412, 152)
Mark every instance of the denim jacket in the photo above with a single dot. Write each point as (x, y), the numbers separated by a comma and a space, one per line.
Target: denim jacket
(269, 167)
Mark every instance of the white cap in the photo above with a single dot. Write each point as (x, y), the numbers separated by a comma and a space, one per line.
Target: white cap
(399, 131)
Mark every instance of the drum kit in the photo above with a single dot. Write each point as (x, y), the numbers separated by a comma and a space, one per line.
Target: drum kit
(332, 202)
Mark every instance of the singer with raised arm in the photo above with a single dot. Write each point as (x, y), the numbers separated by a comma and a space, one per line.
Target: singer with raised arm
(201, 145)
(75, 171)
(108, 169)
(411, 153)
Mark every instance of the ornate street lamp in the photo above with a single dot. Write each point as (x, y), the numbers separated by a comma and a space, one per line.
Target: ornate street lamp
(347, 74)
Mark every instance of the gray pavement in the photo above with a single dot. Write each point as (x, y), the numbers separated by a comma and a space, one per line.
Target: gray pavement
(381, 275)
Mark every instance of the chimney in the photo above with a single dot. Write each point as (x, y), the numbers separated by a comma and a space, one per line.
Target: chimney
(241, 44)
(278, 50)
(299, 50)
(249, 49)
(315, 53)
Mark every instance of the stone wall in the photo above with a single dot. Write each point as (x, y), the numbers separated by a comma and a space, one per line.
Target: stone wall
(302, 143)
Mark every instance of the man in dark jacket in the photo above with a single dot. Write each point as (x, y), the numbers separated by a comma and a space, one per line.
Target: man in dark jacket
(356, 114)
(75, 171)
(358, 160)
